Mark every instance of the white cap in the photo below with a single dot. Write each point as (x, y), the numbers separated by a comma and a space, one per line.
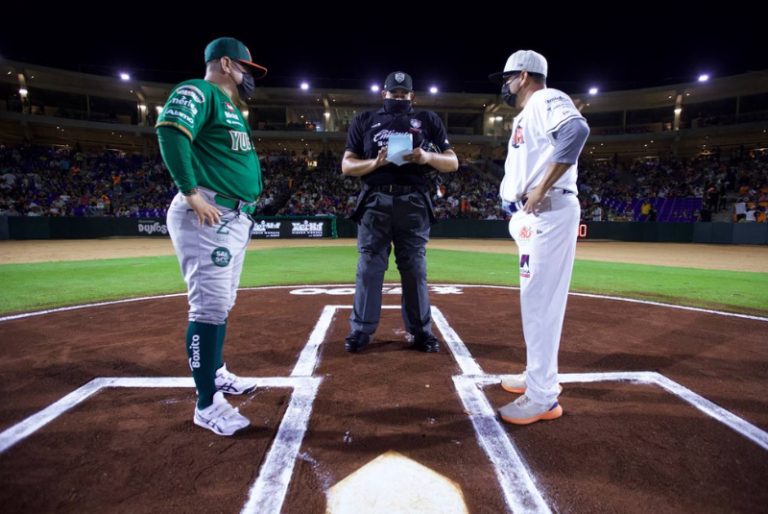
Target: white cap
(522, 60)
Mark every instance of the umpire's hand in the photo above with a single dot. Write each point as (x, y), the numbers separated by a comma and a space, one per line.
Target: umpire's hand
(418, 156)
(205, 211)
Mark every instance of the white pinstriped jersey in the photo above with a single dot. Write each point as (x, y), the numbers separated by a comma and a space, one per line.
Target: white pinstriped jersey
(532, 144)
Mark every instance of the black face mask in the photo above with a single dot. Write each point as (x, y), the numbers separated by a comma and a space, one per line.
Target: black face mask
(508, 97)
(246, 87)
(397, 106)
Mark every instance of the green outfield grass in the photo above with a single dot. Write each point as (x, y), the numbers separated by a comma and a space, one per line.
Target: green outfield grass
(28, 287)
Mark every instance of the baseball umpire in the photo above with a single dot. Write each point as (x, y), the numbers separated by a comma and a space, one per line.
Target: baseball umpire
(394, 207)
(539, 189)
(207, 145)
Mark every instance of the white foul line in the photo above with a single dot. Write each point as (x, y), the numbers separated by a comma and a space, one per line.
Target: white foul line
(269, 491)
(307, 362)
(519, 488)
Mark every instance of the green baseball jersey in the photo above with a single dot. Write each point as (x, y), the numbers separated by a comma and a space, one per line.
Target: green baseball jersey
(223, 156)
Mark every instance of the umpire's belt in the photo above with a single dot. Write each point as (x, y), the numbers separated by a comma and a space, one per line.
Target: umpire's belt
(237, 205)
(395, 189)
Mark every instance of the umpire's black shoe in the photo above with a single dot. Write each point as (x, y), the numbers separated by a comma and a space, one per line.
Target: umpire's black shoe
(356, 341)
(426, 342)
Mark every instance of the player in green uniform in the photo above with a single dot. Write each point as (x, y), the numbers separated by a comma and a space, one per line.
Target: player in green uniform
(206, 143)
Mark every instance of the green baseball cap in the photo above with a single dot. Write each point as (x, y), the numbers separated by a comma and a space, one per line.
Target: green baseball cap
(235, 50)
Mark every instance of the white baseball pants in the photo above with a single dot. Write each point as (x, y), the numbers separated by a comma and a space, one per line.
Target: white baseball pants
(547, 246)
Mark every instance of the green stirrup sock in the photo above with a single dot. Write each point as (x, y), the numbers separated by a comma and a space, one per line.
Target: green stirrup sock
(201, 350)
(220, 344)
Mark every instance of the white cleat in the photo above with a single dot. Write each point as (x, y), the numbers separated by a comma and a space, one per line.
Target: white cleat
(517, 383)
(229, 383)
(220, 417)
(524, 411)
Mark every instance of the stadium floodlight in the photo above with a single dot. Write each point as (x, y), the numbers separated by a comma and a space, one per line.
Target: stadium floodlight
(593, 91)
(433, 90)
(125, 76)
(374, 88)
(703, 78)
(304, 86)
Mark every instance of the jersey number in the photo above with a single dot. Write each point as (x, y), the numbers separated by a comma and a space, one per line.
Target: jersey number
(240, 141)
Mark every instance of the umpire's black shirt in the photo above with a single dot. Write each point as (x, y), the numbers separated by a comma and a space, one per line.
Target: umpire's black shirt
(370, 131)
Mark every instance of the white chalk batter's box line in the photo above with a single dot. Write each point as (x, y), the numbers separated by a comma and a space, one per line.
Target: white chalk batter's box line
(268, 492)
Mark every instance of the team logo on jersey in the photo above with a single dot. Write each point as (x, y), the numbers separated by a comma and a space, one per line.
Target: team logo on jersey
(525, 266)
(399, 77)
(517, 138)
(221, 257)
(525, 235)
(415, 123)
(229, 107)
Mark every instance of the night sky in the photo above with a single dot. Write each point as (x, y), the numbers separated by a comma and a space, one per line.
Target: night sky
(643, 46)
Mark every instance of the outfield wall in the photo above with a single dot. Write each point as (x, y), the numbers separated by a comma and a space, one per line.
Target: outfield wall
(324, 227)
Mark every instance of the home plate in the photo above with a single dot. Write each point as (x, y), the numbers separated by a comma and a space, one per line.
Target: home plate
(394, 483)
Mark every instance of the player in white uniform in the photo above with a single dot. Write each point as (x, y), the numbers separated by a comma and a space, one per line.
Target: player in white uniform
(539, 189)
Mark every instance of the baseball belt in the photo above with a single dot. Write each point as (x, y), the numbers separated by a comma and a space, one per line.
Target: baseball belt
(236, 205)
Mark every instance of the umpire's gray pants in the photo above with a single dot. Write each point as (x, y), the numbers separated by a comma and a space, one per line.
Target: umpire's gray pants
(404, 221)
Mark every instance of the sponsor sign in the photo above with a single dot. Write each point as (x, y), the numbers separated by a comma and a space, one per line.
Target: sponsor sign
(152, 228)
(267, 229)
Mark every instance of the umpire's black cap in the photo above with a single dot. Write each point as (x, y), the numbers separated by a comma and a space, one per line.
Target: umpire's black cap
(398, 80)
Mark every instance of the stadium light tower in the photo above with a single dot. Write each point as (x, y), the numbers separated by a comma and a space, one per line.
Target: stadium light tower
(374, 88)
(304, 86)
(703, 78)
(125, 77)
(433, 90)
(593, 91)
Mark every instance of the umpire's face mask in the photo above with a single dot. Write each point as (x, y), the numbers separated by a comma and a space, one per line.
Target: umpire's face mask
(400, 103)
(396, 106)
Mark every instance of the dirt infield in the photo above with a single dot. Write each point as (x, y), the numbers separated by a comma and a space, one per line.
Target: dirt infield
(620, 447)
(722, 257)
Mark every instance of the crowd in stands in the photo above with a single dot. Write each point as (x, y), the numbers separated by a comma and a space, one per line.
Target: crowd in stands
(324, 191)
(669, 189)
(302, 127)
(43, 181)
(39, 181)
